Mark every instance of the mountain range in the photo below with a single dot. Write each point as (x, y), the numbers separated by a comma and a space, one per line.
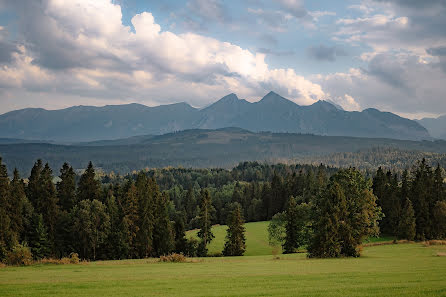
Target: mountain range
(435, 126)
(272, 113)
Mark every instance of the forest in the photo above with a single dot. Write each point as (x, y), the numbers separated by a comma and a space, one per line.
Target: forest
(329, 211)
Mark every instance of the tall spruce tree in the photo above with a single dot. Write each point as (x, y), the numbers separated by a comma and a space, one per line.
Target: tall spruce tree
(205, 233)
(180, 233)
(407, 228)
(66, 188)
(89, 188)
(163, 237)
(47, 203)
(130, 208)
(34, 188)
(291, 227)
(39, 241)
(21, 209)
(145, 189)
(7, 237)
(235, 244)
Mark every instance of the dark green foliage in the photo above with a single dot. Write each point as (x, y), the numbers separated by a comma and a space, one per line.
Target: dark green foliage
(205, 223)
(89, 188)
(163, 236)
(291, 241)
(406, 224)
(66, 188)
(439, 215)
(235, 244)
(146, 214)
(146, 191)
(180, 234)
(297, 226)
(91, 226)
(346, 214)
(39, 241)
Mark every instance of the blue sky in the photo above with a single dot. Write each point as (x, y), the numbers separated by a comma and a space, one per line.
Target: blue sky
(387, 54)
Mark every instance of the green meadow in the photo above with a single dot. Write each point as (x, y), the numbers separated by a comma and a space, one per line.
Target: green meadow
(256, 239)
(385, 270)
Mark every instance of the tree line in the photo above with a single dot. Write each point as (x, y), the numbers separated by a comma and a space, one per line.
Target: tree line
(351, 208)
(146, 213)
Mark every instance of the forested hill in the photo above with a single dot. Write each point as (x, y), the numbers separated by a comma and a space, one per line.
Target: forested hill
(273, 113)
(224, 148)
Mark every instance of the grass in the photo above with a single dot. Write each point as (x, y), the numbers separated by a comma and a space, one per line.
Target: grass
(388, 270)
(256, 239)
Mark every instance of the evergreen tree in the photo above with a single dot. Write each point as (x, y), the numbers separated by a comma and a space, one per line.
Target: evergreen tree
(330, 209)
(145, 190)
(89, 188)
(47, 203)
(7, 237)
(66, 187)
(420, 196)
(163, 237)
(21, 209)
(130, 209)
(347, 214)
(235, 244)
(291, 241)
(439, 215)
(39, 242)
(180, 233)
(34, 189)
(406, 228)
(205, 233)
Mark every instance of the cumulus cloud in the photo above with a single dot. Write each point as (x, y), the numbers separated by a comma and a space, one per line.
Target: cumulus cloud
(402, 84)
(81, 47)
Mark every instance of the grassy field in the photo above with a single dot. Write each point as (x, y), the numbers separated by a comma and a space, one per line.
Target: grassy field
(256, 239)
(388, 270)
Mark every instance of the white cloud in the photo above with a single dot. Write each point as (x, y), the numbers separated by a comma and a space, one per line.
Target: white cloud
(81, 47)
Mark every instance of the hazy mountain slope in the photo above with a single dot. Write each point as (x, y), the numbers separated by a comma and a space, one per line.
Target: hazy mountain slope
(201, 148)
(272, 113)
(87, 123)
(435, 126)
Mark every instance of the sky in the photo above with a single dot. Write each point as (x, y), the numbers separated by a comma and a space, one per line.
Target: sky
(385, 54)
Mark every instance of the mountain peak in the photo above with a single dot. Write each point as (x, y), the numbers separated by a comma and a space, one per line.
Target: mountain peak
(274, 98)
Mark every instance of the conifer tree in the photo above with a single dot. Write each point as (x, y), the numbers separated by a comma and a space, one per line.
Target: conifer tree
(66, 187)
(89, 188)
(291, 241)
(235, 244)
(205, 233)
(21, 209)
(180, 233)
(131, 217)
(39, 242)
(163, 237)
(145, 189)
(47, 203)
(7, 237)
(34, 188)
(439, 218)
(406, 228)
(346, 214)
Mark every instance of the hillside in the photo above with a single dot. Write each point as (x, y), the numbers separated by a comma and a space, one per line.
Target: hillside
(435, 126)
(272, 113)
(206, 148)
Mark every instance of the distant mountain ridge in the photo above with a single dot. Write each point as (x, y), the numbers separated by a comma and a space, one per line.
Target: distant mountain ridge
(435, 126)
(272, 113)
